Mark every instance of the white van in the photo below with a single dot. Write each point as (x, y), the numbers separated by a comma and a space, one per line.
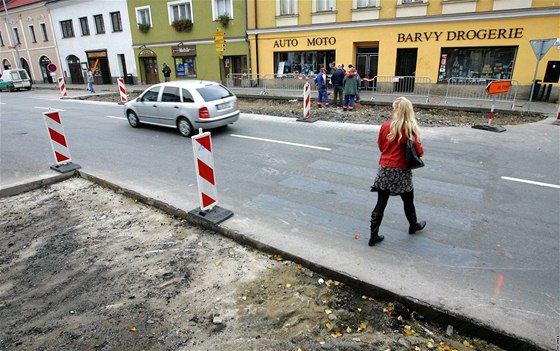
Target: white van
(13, 79)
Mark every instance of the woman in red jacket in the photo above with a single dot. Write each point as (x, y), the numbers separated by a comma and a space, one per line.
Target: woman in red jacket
(393, 177)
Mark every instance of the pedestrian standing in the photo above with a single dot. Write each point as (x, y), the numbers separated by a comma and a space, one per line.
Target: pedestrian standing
(357, 100)
(336, 80)
(90, 81)
(166, 72)
(321, 83)
(350, 89)
(393, 177)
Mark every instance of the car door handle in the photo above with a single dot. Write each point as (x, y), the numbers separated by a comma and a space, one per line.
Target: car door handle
(177, 107)
(154, 106)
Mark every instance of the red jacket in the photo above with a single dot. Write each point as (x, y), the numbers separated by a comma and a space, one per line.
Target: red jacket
(392, 152)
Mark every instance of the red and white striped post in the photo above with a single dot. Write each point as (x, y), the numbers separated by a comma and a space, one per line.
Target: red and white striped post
(62, 87)
(59, 144)
(206, 180)
(122, 90)
(307, 104)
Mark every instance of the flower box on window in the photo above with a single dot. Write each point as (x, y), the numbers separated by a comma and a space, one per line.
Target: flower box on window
(182, 25)
(143, 27)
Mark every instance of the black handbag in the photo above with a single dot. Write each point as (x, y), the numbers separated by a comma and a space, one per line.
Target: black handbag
(412, 159)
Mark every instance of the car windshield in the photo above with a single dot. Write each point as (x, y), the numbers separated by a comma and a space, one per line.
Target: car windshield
(214, 92)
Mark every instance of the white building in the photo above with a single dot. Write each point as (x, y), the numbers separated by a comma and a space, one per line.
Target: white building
(94, 34)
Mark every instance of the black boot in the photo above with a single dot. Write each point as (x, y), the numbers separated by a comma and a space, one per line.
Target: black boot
(415, 226)
(375, 224)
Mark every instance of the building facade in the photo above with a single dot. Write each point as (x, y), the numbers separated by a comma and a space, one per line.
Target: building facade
(27, 40)
(94, 34)
(183, 34)
(434, 39)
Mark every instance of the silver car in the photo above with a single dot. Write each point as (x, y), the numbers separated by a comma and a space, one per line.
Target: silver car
(186, 105)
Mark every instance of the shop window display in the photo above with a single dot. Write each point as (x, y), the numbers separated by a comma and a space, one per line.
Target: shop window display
(185, 67)
(479, 62)
(302, 62)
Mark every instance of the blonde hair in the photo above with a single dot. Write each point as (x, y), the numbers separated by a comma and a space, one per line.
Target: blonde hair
(403, 118)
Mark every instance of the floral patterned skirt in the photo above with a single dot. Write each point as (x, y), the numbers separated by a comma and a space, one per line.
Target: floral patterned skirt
(395, 180)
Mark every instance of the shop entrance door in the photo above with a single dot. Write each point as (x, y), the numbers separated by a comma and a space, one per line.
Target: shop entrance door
(150, 68)
(406, 70)
(366, 65)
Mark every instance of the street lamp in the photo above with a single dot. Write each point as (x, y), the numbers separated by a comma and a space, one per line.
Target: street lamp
(18, 59)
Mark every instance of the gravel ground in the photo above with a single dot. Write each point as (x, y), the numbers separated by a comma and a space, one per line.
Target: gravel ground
(85, 268)
(364, 114)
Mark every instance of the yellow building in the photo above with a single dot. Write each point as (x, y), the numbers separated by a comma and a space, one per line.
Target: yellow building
(435, 39)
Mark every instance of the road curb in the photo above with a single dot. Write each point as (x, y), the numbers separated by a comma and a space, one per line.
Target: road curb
(467, 326)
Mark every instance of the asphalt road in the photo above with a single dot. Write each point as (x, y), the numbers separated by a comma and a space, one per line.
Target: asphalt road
(490, 250)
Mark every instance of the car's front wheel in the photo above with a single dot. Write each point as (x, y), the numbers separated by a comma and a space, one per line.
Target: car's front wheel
(132, 119)
(185, 127)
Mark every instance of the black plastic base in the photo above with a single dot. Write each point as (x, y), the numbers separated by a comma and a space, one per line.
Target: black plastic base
(490, 128)
(308, 120)
(215, 216)
(66, 167)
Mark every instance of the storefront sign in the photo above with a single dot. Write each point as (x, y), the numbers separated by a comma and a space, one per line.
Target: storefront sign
(97, 54)
(183, 51)
(317, 41)
(458, 35)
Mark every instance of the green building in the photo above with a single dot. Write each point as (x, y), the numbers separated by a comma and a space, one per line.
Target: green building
(185, 34)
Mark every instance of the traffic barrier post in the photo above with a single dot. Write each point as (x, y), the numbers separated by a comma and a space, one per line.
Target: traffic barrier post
(209, 211)
(122, 90)
(557, 122)
(307, 105)
(59, 144)
(62, 87)
(494, 88)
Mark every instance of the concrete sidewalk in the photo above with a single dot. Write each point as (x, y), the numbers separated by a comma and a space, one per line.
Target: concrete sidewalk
(550, 108)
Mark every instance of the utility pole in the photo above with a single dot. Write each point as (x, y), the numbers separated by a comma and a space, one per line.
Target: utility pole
(11, 30)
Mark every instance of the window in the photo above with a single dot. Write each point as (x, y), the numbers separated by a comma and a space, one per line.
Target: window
(16, 34)
(288, 7)
(214, 92)
(325, 5)
(151, 95)
(366, 3)
(84, 25)
(480, 62)
(32, 34)
(222, 7)
(44, 32)
(412, 1)
(99, 24)
(116, 21)
(180, 10)
(170, 94)
(67, 29)
(143, 15)
(185, 67)
(302, 62)
(187, 97)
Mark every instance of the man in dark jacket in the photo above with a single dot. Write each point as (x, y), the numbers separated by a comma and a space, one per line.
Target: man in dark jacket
(336, 80)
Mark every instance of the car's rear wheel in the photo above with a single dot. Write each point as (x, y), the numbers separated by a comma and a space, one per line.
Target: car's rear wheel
(132, 119)
(185, 127)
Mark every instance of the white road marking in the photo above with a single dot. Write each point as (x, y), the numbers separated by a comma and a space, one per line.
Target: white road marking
(115, 117)
(282, 142)
(49, 108)
(532, 182)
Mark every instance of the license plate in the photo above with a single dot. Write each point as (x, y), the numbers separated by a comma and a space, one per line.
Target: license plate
(222, 106)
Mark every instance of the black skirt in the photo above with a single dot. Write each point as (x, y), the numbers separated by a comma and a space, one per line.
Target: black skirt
(395, 180)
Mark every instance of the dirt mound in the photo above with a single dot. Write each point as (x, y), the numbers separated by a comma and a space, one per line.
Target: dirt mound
(363, 114)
